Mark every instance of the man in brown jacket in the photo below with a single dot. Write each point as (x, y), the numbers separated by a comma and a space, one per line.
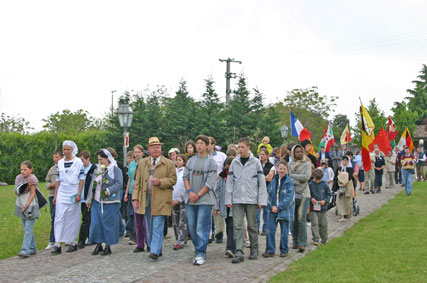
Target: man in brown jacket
(152, 194)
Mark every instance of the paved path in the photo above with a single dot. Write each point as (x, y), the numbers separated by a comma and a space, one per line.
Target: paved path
(125, 266)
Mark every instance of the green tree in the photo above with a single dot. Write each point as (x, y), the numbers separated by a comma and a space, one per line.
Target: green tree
(10, 124)
(180, 121)
(310, 107)
(403, 117)
(68, 122)
(417, 102)
(237, 114)
(377, 115)
(210, 114)
(338, 125)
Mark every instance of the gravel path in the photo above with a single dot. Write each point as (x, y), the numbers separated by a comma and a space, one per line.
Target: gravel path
(125, 266)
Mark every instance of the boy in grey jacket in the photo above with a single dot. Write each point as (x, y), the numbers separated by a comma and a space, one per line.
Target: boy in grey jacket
(246, 192)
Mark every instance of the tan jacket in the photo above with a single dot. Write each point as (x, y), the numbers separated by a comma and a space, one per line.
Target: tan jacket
(344, 182)
(161, 198)
(51, 179)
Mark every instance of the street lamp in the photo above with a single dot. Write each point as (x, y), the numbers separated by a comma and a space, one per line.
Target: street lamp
(284, 131)
(125, 114)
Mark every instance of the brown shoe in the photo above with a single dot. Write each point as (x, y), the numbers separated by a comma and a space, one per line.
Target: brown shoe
(285, 254)
(267, 255)
(301, 249)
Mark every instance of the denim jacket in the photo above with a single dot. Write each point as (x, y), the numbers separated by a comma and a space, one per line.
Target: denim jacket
(113, 187)
(286, 202)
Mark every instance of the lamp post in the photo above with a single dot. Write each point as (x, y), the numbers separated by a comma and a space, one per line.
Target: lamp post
(284, 131)
(125, 114)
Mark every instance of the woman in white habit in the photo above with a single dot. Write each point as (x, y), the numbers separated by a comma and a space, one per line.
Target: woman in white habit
(68, 190)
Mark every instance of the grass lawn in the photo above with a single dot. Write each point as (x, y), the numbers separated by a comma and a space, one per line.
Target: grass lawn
(389, 245)
(11, 230)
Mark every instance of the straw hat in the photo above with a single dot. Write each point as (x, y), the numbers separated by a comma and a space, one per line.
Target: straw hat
(154, 141)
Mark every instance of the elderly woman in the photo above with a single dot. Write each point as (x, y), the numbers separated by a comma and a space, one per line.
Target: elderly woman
(104, 202)
(68, 191)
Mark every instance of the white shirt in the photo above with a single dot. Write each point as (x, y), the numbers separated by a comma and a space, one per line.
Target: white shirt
(219, 158)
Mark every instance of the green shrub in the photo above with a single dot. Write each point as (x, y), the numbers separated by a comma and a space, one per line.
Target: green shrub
(38, 148)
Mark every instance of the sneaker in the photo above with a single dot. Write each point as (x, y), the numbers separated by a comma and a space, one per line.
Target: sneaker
(33, 252)
(285, 254)
(366, 193)
(247, 244)
(372, 191)
(229, 253)
(238, 259)
(341, 220)
(317, 244)
(177, 247)
(153, 256)
(50, 245)
(22, 255)
(253, 255)
(267, 255)
(199, 260)
(131, 242)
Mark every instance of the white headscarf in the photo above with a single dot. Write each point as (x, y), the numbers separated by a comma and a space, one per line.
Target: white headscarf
(113, 163)
(72, 145)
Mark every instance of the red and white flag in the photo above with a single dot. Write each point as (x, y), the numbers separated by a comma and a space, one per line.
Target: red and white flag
(391, 129)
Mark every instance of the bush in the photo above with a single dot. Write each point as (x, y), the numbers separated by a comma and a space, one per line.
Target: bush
(38, 148)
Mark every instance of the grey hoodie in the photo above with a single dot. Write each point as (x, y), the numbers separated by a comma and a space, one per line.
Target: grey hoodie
(300, 172)
(246, 184)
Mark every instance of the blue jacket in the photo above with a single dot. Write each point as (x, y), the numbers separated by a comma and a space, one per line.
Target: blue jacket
(114, 186)
(286, 203)
(320, 191)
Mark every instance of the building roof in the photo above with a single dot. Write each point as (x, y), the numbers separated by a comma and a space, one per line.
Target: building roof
(420, 132)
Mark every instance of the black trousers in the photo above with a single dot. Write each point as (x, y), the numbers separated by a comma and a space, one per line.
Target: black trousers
(231, 245)
(84, 227)
(397, 175)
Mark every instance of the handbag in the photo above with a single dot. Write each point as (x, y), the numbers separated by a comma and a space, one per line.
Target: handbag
(41, 200)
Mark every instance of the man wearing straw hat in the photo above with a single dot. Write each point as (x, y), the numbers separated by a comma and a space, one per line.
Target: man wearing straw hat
(152, 194)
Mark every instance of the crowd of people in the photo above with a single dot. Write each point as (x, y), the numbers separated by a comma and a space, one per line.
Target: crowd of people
(208, 194)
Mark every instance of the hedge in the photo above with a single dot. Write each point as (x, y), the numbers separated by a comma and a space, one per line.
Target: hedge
(38, 148)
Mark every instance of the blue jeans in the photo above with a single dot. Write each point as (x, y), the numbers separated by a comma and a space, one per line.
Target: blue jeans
(299, 225)
(52, 220)
(148, 220)
(264, 218)
(271, 235)
(29, 242)
(156, 234)
(130, 224)
(408, 179)
(199, 219)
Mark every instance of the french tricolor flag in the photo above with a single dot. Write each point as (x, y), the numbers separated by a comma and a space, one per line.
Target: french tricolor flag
(298, 129)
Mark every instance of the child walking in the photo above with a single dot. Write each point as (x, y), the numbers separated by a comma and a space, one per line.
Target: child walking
(224, 211)
(26, 207)
(178, 204)
(281, 199)
(320, 197)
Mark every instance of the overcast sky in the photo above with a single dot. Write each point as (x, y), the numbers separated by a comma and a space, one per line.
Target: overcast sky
(57, 55)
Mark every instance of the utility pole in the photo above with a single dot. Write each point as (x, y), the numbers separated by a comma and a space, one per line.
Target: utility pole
(228, 76)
